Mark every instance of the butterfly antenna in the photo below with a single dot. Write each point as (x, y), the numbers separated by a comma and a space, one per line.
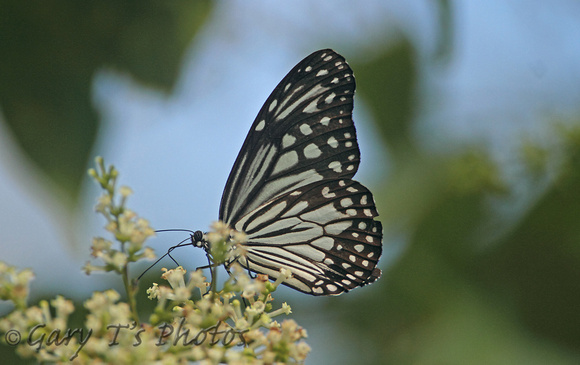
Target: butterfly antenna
(195, 239)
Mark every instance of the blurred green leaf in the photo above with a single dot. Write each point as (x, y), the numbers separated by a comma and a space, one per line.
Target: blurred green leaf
(387, 83)
(50, 53)
(444, 40)
(447, 301)
(537, 266)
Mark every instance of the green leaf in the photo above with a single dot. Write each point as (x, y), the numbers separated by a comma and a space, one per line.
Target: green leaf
(50, 53)
(387, 83)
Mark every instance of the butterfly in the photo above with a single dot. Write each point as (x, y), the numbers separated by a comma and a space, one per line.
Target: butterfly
(291, 189)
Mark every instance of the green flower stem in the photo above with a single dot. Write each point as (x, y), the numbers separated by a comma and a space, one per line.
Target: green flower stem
(214, 274)
(131, 291)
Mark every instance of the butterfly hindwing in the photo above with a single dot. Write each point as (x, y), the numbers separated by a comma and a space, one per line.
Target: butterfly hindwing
(323, 232)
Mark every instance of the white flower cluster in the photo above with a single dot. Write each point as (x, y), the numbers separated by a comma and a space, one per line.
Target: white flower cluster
(125, 226)
(192, 319)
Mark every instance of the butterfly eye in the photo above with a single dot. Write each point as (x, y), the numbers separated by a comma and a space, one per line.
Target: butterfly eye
(291, 190)
(198, 236)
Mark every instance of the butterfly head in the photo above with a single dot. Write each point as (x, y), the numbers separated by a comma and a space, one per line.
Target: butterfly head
(198, 239)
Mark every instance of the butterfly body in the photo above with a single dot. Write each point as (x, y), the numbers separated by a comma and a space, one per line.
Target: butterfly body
(291, 189)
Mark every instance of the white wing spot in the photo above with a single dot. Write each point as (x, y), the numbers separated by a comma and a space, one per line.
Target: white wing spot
(354, 234)
(334, 81)
(340, 121)
(350, 189)
(322, 73)
(305, 129)
(340, 67)
(326, 193)
(331, 287)
(368, 213)
(347, 135)
(350, 276)
(338, 63)
(322, 215)
(350, 168)
(308, 69)
(287, 86)
(341, 183)
(312, 107)
(328, 261)
(342, 98)
(296, 193)
(346, 282)
(363, 200)
(324, 121)
(332, 142)
(330, 98)
(346, 265)
(336, 166)
(312, 151)
(337, 228)
(273, 105)
(327, 58)
(317, 290)
(365, 263)
(351, 212)
(339, 247)
(359, 248)
(261, 125)
(375, 229)
(286, 161)
(359, 273)
(325, 243)
(369, 239)
(362, 225)
(351, 157)
(370, 255)
(346, 75)
(319, 282)
(348, 144)
(352, 258)
(346, 202)
(288, 140)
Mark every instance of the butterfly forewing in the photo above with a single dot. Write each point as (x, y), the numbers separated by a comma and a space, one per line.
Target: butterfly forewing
(291, 189)
(303, 133)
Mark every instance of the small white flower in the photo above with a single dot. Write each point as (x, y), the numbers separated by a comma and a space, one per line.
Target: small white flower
(175, 277)
(125, 191)
(153, 291)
